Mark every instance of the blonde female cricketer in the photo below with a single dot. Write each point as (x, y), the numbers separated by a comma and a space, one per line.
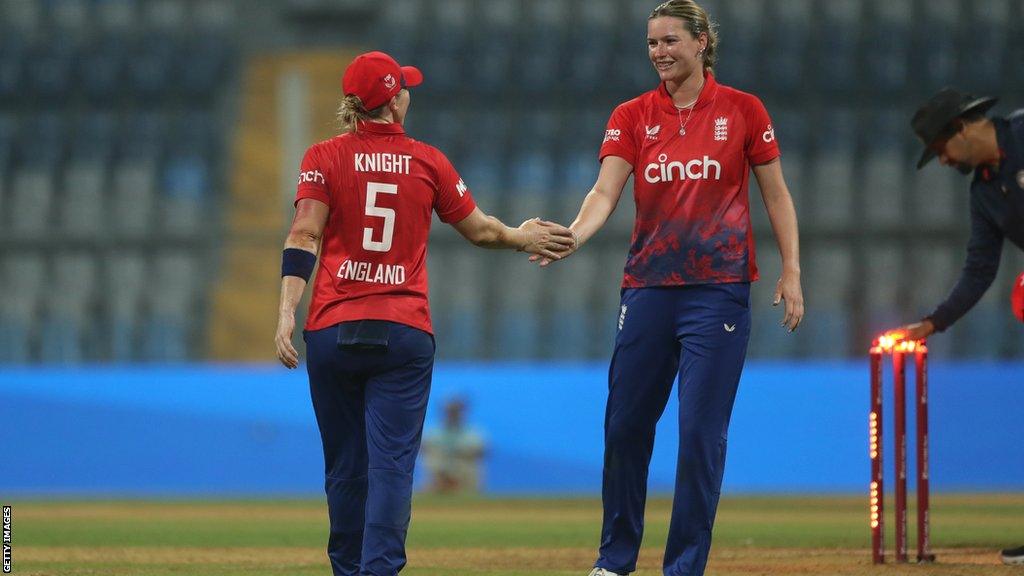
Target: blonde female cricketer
(364, 203)
(691, 144)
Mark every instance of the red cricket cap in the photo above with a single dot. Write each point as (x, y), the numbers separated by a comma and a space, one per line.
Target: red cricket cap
(376, 78)
(1017, 298)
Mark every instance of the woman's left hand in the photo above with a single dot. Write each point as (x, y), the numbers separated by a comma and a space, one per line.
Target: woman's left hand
(788, 289)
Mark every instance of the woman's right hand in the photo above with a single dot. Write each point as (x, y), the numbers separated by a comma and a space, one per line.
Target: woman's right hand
(547, 241)
(286, 353)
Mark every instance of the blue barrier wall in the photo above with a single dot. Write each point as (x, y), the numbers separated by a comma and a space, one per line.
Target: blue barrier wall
(249, 430)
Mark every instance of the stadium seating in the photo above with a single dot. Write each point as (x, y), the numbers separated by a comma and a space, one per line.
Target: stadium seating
(114, 116)
(107, 152)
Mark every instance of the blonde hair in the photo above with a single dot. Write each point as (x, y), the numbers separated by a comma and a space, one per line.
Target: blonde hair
(697, 22)
(351, 112)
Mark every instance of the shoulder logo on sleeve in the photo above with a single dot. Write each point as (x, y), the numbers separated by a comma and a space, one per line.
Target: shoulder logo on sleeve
(612, 134)
(1020, 179)
(312, 177)
(721, 129)
(461, 188)
(769, 134)
(652, 131)
(390, 82)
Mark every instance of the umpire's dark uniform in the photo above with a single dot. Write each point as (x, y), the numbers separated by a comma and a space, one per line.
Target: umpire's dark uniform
(997, 212)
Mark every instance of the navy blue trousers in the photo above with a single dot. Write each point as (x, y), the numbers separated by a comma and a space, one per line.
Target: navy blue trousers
(370, 407)
(700, 333)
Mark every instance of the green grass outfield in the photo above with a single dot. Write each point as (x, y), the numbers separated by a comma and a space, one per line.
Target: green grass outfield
(494, 537)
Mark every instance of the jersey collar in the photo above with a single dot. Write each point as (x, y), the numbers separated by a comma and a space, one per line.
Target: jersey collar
(378, 128)
(1003, 140)
(707, 94)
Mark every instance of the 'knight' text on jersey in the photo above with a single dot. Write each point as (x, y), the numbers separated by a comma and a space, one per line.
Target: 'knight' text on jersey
(381, 188)
(692, 205)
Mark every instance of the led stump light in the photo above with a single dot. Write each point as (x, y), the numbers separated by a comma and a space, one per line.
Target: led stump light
(891, 344)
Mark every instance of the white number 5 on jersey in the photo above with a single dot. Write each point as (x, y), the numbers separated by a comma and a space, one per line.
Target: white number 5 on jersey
(372, 189)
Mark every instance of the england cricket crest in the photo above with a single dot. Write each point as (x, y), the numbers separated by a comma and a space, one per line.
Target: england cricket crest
(721, 129)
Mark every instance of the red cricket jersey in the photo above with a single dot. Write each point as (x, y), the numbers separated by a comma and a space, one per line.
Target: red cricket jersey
(381, 187)
(692, 205)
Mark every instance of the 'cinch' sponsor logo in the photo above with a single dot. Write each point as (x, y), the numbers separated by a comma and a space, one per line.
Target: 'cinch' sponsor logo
(696, 169)
(312, 176)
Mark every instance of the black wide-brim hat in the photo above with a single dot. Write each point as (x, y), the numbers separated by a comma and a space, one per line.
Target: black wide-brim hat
(933, 120)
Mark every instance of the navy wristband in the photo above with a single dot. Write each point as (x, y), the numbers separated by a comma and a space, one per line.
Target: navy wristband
(297, 262)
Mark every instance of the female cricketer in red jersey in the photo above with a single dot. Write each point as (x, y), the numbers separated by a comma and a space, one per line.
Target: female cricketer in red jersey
(365, 200)
(685, 309)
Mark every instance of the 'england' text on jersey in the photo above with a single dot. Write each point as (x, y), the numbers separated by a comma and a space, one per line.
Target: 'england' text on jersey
(369, 272)
(383, 162)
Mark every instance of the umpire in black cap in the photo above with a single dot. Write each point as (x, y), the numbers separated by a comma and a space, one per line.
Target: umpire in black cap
(954, 127)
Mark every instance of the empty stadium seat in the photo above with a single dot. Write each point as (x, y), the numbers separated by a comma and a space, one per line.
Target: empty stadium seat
(32, 192)
(532, 171)
(142, 136)
(569, 319)
(743, 20)
(67, 321)
(12, 67)
(789, 39)
(42, 141)
(150, 69)
(200, 67)
(117, 16)
(94, 138)
(518, 290)
(937, 49)
(165, 15)
(101, 71)
(889, 37)
(123, 288)
(885, 277)
(214, 16)
(171, 293)
(885, 169)
(938, 196)
(132, 199)
(23, 280)
(70, 16)
(51, 74)
(185, 190)
(828, 281)
(8, 140)
(461, 286)
(832, 171)
(983, 64)
(837, 46)
(22, 17)
(82, 208)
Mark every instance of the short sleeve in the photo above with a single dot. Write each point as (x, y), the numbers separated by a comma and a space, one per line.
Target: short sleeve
(453, 201)
(312, 178)
(619, 136)
(761, 146)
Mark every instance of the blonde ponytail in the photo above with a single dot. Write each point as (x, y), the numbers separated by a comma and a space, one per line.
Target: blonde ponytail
(351, 112)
